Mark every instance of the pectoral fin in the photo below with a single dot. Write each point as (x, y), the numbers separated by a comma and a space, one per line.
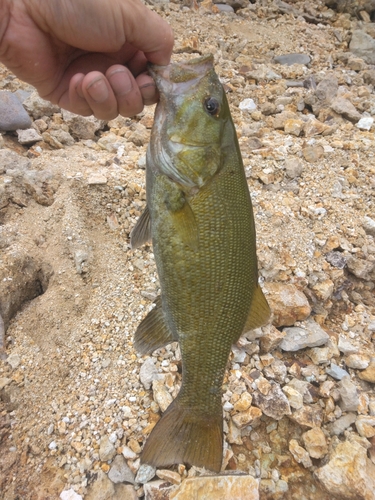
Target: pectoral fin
(182, 215)
(260, 311)
(153, 333)
(186, 226)
(141, 232)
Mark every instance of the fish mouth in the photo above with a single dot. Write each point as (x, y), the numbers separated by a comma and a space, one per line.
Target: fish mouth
(177, 77)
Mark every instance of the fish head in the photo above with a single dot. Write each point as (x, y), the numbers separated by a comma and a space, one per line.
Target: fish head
(189, 121)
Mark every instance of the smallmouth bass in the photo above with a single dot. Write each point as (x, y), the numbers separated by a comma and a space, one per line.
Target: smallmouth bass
(200, 219)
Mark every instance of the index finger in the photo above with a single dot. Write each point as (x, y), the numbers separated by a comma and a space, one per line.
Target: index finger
(148, 32)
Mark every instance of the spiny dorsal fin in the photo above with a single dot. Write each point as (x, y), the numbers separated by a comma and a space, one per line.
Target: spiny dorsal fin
(141, 233)
(260, 311)
(153, 333)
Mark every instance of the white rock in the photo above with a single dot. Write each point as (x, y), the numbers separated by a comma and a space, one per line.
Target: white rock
(97, 178)
(239, 355)
(70, 495)
(349, 394)
(148, 373)
(120, 472)
(248, 105)
(106, 450)
(145, 473)
(369, 225)
(336, 372)
(345, 346)
(28, 136)
(297, 338)
(128, 453)
(365, 123)
(14, 360)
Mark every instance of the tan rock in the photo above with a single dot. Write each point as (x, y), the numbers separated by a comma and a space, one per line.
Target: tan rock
(158, 490)
(124, 492)
(332, 242)
(161, 395)
(267, 177)
(271, 338)
(234, 433)
(300, 455)
(315, 442)
(275, 404)
(293, 127)
(308, 416)
(106, 451)
(244, 402)
(313, 153)
(169, 475)
(314, 127)
(295, 398)
(134, 445)
(320, 355)
(349, 475)
(369, 374)
(326, 388)
(218, 488)
(287, 303)
(263, 385)
(266, 359)
(281, 118)
(78, 446)
(358, 361)
(245, 418)
(324, 289)
(101, 489)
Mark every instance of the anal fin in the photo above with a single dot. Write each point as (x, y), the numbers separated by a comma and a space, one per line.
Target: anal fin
(141, 233)
(260, 311)
(153, 333)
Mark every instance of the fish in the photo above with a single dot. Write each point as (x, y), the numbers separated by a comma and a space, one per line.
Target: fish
(200, 219)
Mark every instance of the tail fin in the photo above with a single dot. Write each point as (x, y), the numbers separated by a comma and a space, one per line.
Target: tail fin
(184, 436)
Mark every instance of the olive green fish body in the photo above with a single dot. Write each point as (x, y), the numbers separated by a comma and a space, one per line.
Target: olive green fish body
(203, 238)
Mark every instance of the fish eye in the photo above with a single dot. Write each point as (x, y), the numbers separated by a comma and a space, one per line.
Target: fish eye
(212, 106)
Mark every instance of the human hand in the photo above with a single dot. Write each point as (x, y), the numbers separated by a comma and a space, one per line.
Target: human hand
(87, 56)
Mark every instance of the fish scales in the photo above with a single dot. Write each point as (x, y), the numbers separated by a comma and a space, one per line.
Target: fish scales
(200, 217)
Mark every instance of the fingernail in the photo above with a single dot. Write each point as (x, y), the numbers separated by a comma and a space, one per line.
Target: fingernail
(146, 85)
(120, 81)
(149, 93)
(78, 88)
(98, 90)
